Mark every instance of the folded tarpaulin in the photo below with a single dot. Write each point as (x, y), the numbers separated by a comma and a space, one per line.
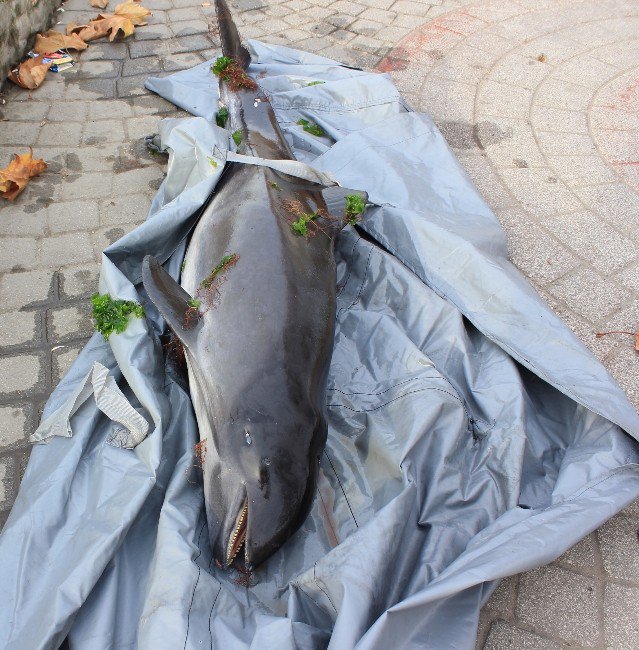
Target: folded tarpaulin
(471, 435)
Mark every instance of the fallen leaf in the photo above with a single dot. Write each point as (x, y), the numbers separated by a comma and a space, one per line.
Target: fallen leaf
(104, 25)
(15, 176)
(127, 15)
(51, 41)
(30, 73)
(99, 4)
(135, 12)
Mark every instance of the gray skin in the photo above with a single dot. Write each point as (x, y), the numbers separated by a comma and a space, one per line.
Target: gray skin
(259, 352)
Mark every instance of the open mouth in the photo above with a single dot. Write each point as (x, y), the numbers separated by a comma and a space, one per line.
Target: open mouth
(238, 536)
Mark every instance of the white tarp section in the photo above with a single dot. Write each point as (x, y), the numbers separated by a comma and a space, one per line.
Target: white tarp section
(471, 435)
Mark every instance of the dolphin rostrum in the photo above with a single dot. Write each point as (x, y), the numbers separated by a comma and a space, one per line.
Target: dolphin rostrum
(255, 313)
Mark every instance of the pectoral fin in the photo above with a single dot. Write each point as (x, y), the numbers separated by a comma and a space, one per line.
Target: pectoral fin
(171, 300)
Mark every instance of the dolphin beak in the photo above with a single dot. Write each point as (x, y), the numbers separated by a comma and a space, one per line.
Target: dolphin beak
(238, 534)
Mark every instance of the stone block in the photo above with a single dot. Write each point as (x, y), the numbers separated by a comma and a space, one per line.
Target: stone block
(79, 281)
(621, 617)
(18, 290)
(14, 425)
(22, 374)
(560, 604)
(505, 635)
(18, 254)
(19, 328)
(72, 215)
(70, 323)
(70, 248)
(620, 548)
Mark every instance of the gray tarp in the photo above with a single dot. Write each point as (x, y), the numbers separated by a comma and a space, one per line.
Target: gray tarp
(471, 435)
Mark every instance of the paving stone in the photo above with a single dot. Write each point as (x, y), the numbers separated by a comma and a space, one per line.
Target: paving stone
(19, 253)
(132, 86)
(604, 296)
(94, 69)
(84, 186)
(147, 65)
(502, 601)
(62, 358)
(70, 322)
(104, 237)
(193, 43)
(21, 222)
(584, 232)
(621, 617)
(24, 111)
(24, 134)
(18, 290)
(504, 635)
(134, 181)
(560, 604)
(6, 481)
(124, 209)
(109, 109)
(620, 548)
(185, 13)
(104, 51)
(60, 134)
(97, 132)
(154, 33)
(19, 327)
(72, 215)
(22, 373)
(582, 556)
(139, 127)
(14, 421)
(533, 250)
(79, 281)
(62, 250)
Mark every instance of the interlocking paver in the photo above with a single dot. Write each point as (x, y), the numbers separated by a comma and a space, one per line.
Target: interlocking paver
(13, 425)
(537, 97)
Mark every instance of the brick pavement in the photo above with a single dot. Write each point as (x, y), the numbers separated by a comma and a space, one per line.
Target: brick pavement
(538, 99)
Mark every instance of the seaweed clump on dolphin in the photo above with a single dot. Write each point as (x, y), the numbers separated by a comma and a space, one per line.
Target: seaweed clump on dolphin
(258, 358)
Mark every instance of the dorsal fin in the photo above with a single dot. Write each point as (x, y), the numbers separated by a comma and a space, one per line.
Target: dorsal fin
(230, 37)
(170, 299)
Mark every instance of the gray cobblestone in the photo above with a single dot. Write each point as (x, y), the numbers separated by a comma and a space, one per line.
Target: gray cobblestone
(553, 175)
(61, 250)
(77, 281)
(18, 290)
(619, 548)
(560, 603)
(70, 322)
(22, 374)
(72, 215)
(13, 425)
(621, 617)
(18, 328)
(504, 635)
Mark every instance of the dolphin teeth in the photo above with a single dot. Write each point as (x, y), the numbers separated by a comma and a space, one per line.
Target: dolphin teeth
(238, 536)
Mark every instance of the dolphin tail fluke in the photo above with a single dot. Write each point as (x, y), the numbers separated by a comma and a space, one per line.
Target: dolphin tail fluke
(230, 37)
(174, 304)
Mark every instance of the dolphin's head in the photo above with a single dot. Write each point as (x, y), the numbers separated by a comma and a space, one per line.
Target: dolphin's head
(260, 474)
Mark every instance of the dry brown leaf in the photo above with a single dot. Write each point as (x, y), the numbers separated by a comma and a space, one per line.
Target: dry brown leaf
(135, 12)
(99, 4)
(30, 73)
(51, 41)
(15, 176)
(104, 25)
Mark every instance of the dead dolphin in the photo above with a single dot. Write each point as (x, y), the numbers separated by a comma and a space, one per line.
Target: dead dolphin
(255, 312)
